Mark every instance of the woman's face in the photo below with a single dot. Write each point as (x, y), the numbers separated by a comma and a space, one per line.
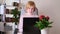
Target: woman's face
(30, 9)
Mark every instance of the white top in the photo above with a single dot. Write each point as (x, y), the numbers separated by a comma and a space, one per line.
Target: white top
(20, 27)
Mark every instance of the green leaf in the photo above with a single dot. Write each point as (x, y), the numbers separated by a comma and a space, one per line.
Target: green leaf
(15, 13)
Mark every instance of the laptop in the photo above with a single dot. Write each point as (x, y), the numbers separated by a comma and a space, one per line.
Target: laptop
(28, 25)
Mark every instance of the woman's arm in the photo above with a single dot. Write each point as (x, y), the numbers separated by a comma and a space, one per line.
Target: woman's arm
(20, 26)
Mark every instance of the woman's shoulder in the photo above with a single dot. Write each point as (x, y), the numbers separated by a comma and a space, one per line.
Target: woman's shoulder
(29, 16)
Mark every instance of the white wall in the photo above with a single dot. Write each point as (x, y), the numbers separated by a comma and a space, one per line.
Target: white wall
(10, 2)
(1, 1)
(51, 8)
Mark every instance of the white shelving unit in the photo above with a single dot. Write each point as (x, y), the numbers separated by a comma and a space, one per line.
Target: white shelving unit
(9, 5)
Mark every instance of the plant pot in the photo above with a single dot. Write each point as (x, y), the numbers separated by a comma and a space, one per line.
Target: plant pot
(45, 31)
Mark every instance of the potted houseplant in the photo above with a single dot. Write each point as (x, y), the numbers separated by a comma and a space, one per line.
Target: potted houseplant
(43, 24)
(16, 15)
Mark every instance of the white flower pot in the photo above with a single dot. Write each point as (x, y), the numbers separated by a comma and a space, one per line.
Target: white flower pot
(45, 31)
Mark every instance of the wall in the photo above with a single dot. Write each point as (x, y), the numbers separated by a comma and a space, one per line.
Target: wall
(51, 8)
(10, 2)
(1, 1)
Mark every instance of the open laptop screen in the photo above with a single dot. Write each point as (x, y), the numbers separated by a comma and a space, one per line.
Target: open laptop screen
(30, 20)
(28, 25)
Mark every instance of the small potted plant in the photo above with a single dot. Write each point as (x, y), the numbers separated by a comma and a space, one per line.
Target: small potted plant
(16, 15)
(43, 24)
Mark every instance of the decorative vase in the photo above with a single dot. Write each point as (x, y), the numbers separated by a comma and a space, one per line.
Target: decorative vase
(45, 31)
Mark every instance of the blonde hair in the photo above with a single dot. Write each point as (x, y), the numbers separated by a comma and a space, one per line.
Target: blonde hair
(29, 4)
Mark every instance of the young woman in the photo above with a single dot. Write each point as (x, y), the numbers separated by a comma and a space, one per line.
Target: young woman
(30, 8)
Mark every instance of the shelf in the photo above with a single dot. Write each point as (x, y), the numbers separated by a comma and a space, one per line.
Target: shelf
(9, 15)
(10, 7)
(7, 19)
